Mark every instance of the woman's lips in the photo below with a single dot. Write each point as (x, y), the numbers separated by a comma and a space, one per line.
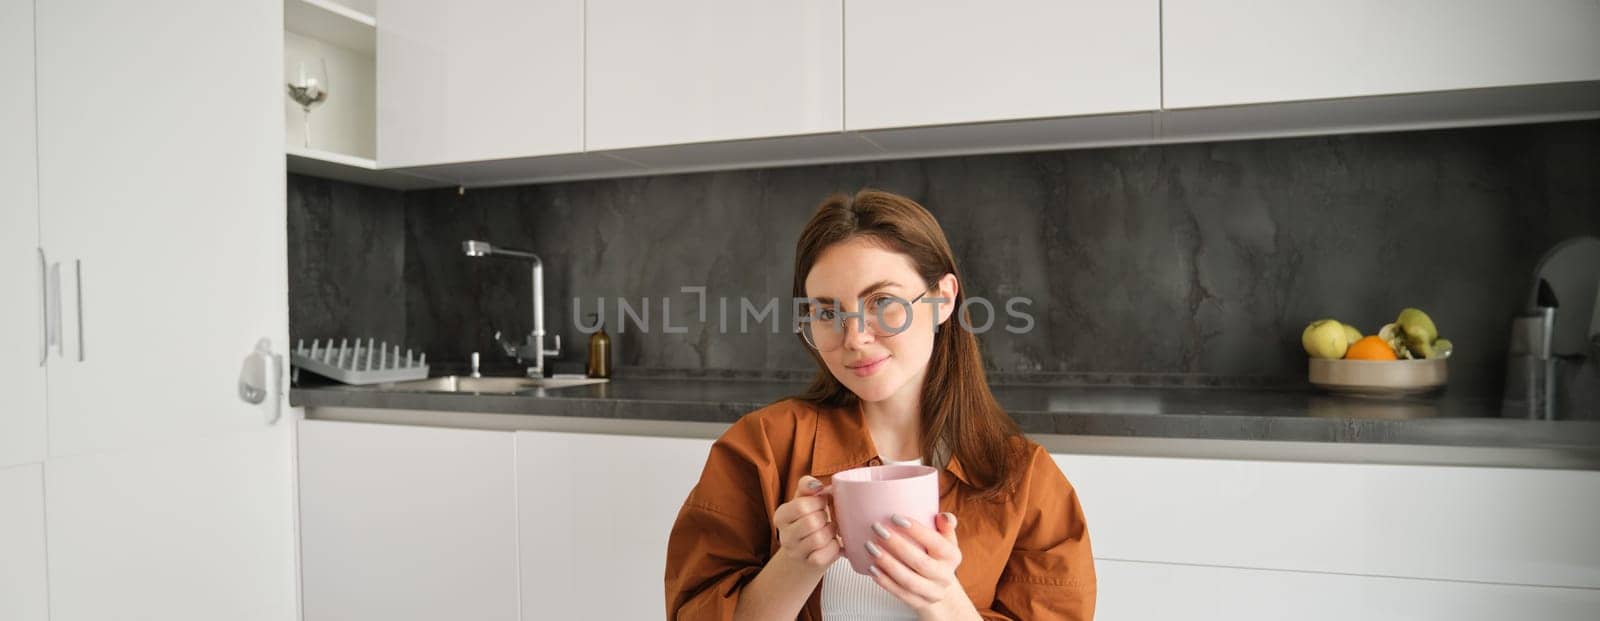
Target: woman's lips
(870, 367)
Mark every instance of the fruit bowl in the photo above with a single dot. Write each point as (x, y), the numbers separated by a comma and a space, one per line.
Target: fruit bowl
(1379, 378)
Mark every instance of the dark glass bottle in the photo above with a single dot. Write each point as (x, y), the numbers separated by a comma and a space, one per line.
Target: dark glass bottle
(599, 350)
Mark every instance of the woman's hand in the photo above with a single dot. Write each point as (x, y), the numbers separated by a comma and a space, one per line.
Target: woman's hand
(807, 546)
(918, 565)
(805, 534)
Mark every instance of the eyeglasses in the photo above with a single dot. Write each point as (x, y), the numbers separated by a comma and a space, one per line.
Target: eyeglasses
(823, 327)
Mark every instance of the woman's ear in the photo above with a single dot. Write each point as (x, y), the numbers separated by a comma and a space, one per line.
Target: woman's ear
(949, 287)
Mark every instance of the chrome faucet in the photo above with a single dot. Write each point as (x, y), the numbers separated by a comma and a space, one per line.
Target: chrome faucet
(532, 347)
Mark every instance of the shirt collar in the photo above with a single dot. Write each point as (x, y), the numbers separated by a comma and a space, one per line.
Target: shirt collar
(843, 442)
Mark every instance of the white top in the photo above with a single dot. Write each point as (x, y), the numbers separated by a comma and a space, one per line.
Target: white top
(849, 596)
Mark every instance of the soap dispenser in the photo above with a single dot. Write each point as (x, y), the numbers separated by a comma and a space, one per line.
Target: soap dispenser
(599, 349)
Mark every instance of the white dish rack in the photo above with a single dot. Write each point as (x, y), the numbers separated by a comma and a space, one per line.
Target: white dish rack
(372, 362)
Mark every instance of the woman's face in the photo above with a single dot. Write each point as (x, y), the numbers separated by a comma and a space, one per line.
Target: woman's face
(876, 367)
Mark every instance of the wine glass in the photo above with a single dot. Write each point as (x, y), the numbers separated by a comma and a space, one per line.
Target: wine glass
(308, 86)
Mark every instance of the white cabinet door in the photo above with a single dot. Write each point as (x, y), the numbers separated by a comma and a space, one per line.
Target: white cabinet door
(913, 62)
(161, 174)
(161, 183)
(22, 425)
(1472, 525)
(407, 523)
(594, 512)
(23, 595)
(1137, 591)
(189, 531)
(663, 73)
(478, 80)
(1226, 52)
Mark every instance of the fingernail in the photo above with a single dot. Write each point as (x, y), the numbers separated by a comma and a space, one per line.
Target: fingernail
(950, 518)
(874, 570)
(880, 530)
(874, 550)
(814, 484)
(900, 520)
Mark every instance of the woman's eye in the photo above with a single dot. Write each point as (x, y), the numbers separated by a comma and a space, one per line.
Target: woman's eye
(825, 314)
(882, 303)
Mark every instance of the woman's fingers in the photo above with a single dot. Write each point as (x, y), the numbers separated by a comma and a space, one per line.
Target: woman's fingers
(939, 545)
(798, 508)
(808, 525)
(809, 486)
(804, 526)
(906, 553)
(821, 537)
(894, 560)
(947, 527)
(809, 495)
(913, 562)
(826, 553)
(894, 588)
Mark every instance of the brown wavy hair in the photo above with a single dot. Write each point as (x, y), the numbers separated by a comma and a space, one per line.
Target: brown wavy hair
(959, 414)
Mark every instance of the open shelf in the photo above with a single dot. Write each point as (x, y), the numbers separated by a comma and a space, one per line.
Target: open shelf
(342, 35)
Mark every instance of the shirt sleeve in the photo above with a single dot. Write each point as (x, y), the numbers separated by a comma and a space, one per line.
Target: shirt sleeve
(722, 536)
(1050, 574)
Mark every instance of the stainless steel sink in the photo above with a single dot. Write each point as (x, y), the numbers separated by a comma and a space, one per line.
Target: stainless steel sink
(494, 385)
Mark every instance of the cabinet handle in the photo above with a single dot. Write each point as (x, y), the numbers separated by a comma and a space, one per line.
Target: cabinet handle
(52, 300)
(77, 279)
(44, 308)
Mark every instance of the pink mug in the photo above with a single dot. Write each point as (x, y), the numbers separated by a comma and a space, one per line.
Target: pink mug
(866, 496)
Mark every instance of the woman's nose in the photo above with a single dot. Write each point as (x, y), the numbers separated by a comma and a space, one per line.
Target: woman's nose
(858, 332)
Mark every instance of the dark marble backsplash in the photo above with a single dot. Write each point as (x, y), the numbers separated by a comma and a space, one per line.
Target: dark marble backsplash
(1187, 261)
(346, 261)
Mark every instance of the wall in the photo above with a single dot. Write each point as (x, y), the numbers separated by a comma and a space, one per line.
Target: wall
(346, 261)
(1193, 260)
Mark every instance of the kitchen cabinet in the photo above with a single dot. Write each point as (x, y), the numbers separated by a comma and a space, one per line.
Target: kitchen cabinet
(1239, 539)
(1489, 525)
(1224, 53)
(342, 38)
(160, 193)
(408, 522)
(22, 262)
(401, 522)
(23, 596)
(196, 531)
(165, 207)
(910, 63)
(1134, 591)
(595, 511)
(493, 92)
(661, 73)
(478, 80)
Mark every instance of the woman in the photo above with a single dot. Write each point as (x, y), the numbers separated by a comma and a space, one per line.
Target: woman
(902, 383)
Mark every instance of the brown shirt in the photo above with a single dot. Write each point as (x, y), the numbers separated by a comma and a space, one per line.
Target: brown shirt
(1026, 557)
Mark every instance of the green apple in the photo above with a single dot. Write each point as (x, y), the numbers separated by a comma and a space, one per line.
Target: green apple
(1325, 338)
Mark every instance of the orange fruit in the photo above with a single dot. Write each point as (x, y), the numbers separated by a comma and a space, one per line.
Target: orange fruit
(1370, 348)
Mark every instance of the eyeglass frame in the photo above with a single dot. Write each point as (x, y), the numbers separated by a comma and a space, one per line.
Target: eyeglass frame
(861, 318)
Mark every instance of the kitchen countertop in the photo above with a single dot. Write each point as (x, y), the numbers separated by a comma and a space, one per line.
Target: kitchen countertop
(1247, 423)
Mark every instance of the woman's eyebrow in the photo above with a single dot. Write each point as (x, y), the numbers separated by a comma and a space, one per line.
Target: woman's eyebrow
(870, 288)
